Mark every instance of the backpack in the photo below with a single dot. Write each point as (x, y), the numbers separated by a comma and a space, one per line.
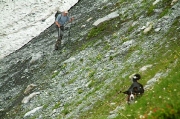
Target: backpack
(57, 13)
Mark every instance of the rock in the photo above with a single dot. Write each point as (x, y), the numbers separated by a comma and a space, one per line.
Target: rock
(112, 103)
(148, 28)
(173, 2)
(27, 98)
(33, 111)
(157, 10)
(145, 68)
(157, 29)
(155, 2)
(29, 88)
(55, 71)
(1, 110)
(35, 57)
(148, 23)
(127, 44)
(106, 18)
(142, 28)
(83, 26)
(134, 23)
(26, 71)
(70, 60)
(88, 84)
(152, 81)
(166, 17)
(89, 19)
(112, 116)
(114, 113)
(53, 112)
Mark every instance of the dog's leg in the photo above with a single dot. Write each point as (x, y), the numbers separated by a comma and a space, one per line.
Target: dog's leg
(128, 99)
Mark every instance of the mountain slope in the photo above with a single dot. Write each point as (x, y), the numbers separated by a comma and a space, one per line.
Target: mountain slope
(84, 79)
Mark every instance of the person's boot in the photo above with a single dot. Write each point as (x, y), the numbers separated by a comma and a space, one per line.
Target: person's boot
(58, 44)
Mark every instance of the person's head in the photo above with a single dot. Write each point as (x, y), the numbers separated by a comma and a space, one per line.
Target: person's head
(65, 13)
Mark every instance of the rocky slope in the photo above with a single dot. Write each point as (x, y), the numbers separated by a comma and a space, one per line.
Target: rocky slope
(93, 62)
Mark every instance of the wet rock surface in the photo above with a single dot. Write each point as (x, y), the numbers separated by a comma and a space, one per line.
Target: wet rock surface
(64, 77)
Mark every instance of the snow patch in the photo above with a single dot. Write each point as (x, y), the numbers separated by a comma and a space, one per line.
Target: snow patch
(21, 21)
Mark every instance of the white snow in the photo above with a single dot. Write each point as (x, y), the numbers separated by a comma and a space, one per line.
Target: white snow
(22, 20)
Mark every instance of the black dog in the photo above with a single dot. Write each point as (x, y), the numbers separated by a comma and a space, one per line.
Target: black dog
(135, 90)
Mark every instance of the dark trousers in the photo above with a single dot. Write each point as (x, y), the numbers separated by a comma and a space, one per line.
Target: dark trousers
(60, 32)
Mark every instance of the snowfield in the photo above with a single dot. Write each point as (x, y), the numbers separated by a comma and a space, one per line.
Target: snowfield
(22, 20)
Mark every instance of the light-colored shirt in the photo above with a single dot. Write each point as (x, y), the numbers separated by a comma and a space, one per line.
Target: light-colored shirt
(62, 19)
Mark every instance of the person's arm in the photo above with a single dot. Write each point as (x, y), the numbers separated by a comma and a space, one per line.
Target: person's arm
(57, 24)
(71, 19)
(56, 21)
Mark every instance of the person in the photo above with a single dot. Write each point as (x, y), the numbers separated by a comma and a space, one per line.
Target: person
(60, 21)
(136, 88)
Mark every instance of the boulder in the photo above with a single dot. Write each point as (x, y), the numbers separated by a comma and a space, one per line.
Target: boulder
(29, 88)
(28, 98)
(106, 18)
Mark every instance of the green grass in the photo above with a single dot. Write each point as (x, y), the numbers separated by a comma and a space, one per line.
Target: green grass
(159, 102)
(57, 105)
(66, 110)
(55, 74)
(104, 28)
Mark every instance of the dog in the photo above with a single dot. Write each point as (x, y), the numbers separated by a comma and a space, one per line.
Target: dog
(135, 90)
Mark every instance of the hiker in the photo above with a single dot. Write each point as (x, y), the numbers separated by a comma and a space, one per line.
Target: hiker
(60, 20)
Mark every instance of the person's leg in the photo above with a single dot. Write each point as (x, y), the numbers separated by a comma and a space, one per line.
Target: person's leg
(58, 32)
(57, 28)
(58, 41)
(61, 32)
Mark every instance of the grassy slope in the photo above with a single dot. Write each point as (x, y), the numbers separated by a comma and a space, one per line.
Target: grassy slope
(161, 101)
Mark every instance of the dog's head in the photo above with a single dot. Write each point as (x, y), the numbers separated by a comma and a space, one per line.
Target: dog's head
(131, 97)
(135, 77)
